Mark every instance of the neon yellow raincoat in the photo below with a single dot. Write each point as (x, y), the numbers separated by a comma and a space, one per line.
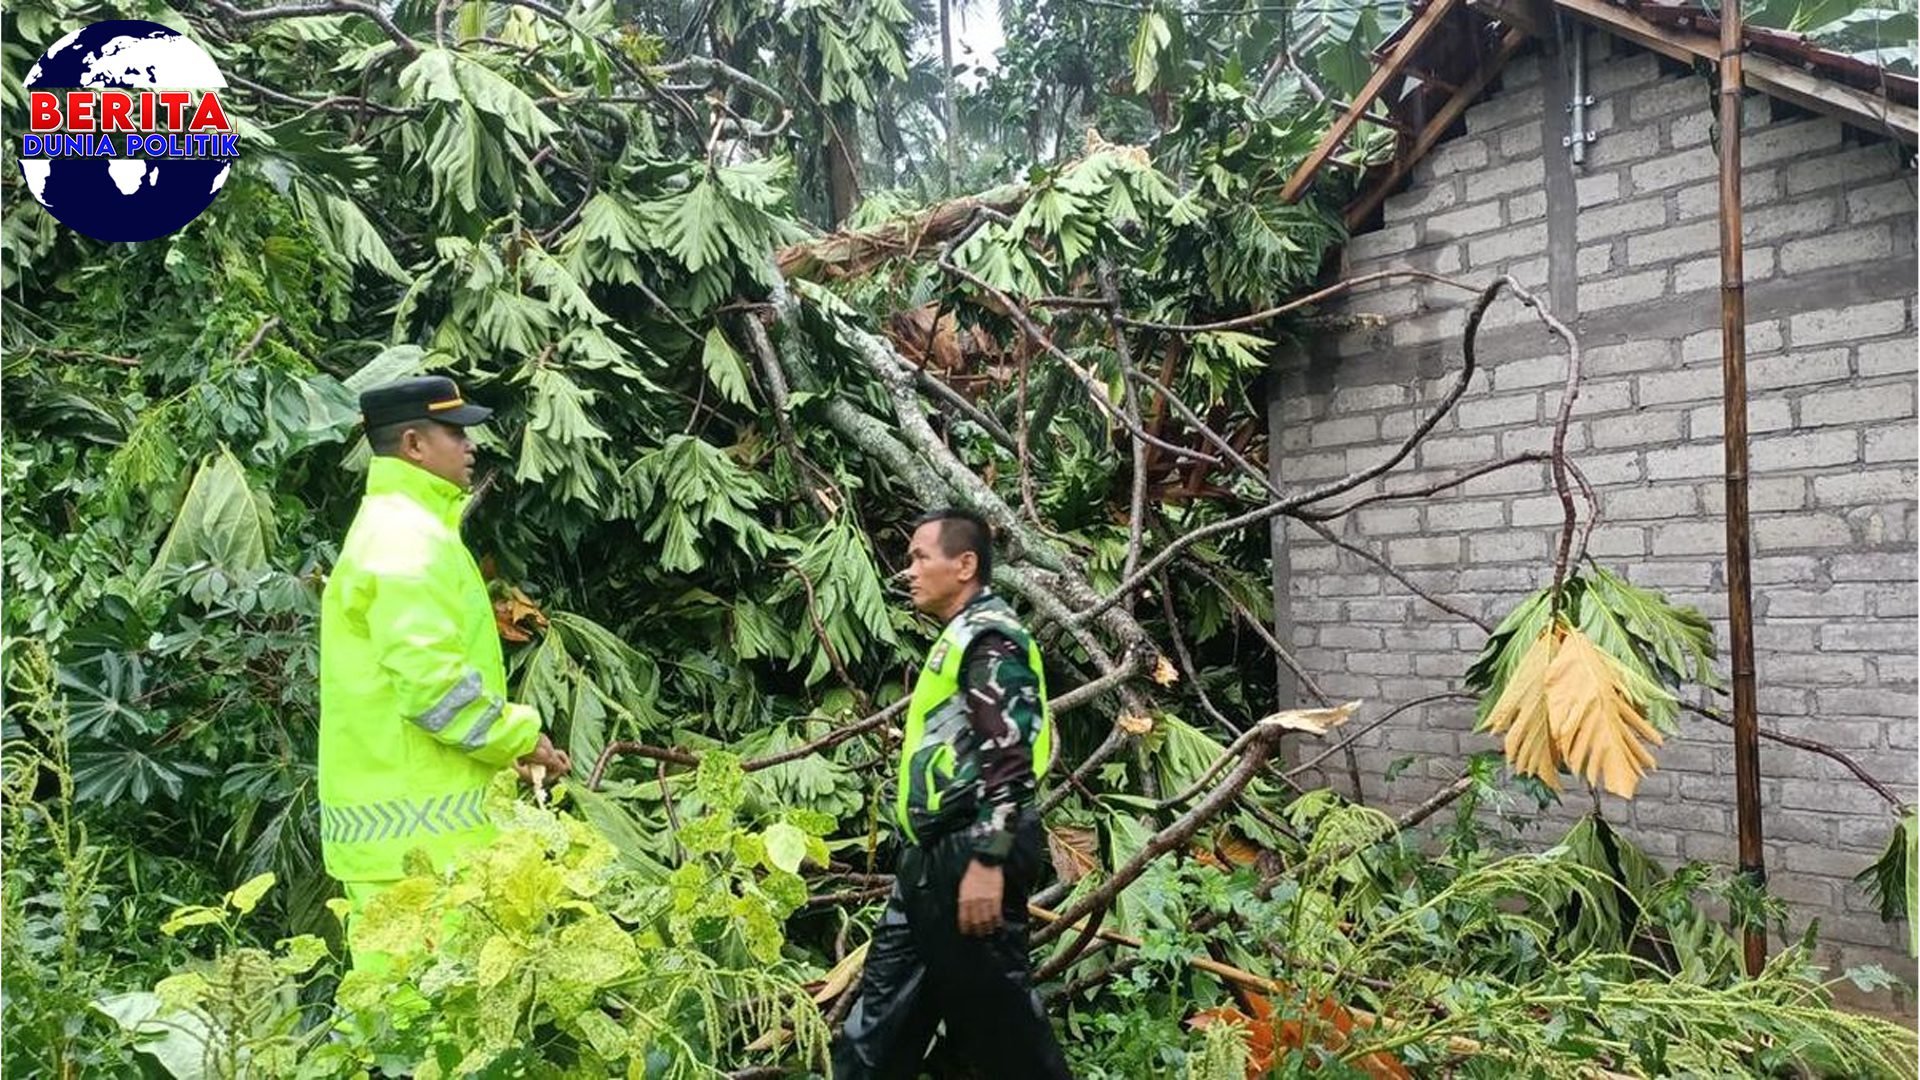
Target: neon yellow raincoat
(414, 718)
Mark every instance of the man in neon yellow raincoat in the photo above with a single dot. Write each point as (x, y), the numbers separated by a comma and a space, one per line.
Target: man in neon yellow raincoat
(414, 716)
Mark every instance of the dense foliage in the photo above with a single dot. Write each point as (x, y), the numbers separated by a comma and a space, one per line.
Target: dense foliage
(690, 515)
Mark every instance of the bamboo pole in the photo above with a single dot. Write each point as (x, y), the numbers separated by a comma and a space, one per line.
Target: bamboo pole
(1733, 367)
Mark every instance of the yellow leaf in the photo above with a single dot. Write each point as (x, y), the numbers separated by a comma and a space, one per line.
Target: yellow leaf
(1521, 712)
(841, 976)
(247, 897)
(514, 612)
(1134, 724)
(1164, 672)
(1317, 721)
(1596, 725)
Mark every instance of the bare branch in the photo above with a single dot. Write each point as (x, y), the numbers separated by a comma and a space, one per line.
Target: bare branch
(1354, 737)
(235, 13)
(1130, 400)
(1852, 766)
(1017, 312)
(1193, 420)
(343, 103)
(1324, 491)
(690, 760)
(1310, 299)
(937, 387)
(1332, 538)
(1529, 457)
(1187, 668)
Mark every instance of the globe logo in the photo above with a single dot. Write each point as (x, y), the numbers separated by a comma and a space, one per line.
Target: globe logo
(124, 149)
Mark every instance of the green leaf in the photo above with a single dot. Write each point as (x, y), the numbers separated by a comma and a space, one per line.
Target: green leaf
(1893, 881)
(1509, 642)
(786, 847)
(182, 1041)
(245, 898)
(299, 954)
(219, 523)
(1679, 638)
(186, 917)
(1871, 977)
(1152, 36)
(393, 363)
(724, 367)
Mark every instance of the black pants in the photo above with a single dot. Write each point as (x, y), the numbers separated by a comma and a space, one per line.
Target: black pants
(922, 970)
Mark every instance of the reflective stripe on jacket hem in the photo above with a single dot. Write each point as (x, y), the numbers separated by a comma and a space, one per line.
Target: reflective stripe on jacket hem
(397, 819)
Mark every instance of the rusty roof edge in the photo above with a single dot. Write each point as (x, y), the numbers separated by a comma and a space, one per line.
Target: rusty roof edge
(1787, 45)
(1780, 44)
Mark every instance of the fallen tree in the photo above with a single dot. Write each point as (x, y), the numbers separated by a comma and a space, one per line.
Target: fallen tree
(707, 444)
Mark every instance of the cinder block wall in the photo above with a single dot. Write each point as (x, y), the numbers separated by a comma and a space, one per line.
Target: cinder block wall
(1625, 249)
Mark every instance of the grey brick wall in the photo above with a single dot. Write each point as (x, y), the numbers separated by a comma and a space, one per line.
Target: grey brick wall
(1830, 263)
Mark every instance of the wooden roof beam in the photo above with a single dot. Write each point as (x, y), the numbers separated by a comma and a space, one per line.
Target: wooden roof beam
(1762, 73)
(1511, 13)
(1364, 206)
(1423, 27)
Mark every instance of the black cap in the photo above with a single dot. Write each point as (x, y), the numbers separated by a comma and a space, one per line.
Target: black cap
(429, 397)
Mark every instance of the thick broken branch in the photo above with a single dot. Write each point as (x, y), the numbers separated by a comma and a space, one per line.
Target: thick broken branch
(1262, 740)
(852, 253)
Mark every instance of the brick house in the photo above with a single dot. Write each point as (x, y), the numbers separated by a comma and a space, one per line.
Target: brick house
(1623, 246)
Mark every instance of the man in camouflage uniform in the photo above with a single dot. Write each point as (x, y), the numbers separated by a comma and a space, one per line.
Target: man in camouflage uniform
(952, 944)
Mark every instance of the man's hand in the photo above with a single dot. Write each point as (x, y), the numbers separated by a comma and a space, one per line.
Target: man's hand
(981, 891)
(556, 762)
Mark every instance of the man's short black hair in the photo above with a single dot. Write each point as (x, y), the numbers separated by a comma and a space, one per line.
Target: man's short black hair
(963, 531)
(385, 439)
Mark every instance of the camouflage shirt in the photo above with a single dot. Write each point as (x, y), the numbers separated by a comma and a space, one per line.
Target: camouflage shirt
(1003, 709)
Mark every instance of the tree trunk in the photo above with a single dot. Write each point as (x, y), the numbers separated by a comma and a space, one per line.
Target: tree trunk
(842, 151)
(946, 70)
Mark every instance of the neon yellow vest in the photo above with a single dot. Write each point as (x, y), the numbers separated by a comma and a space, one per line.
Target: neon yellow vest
(937, 713)
(414, 716)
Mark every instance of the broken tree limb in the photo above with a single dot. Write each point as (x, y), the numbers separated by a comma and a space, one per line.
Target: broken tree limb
(1308, 300)
(1558, 456)
(850, 253)
(1130, 400)
(1354, 736)
(1528, 457)
(1261, 630)
(1187, 668)
(1193, 420)
(689, 759)
(1263, 739)
(940, 469)
(932, 384)
(1016, 311)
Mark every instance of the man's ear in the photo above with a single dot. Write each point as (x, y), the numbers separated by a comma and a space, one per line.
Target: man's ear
(969, 566)
(413, 444)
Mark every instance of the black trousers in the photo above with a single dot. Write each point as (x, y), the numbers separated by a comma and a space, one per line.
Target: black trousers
(921, 970)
